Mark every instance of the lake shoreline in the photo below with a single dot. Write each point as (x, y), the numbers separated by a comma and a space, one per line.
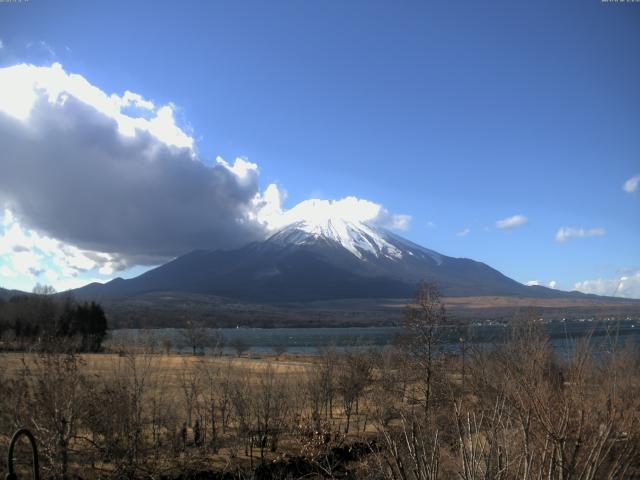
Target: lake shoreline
(310, 341)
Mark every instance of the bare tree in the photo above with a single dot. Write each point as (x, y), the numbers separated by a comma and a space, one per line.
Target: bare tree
(119, 416)
(324, 376)
(353, 376)
(190, 380)
(195, 336)
(241, 401)
(313, 386)
(270, 409)
(53, 397)
(240, 346)
(279, 349)
(40, 289)
(537, 416)
(216, 342)
(214, 400)
(423, 317)
(167, 343)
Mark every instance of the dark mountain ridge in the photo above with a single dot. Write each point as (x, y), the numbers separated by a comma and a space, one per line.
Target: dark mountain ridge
(295, 265)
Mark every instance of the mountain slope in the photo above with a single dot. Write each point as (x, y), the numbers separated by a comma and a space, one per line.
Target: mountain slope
(6, 294)
(321, 259)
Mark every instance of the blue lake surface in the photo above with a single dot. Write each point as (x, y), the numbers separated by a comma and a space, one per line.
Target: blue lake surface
(309, 341)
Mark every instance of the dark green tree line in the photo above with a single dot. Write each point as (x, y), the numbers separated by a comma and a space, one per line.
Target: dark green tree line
(43, 316)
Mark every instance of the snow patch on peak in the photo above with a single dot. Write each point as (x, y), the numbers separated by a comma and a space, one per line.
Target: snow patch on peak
(414, 249)
(357, 237)
(351, 222)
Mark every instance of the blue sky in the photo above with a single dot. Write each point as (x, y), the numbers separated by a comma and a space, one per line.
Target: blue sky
(459, 114)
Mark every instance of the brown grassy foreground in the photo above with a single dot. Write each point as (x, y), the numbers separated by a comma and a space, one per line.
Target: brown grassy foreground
(411, 412)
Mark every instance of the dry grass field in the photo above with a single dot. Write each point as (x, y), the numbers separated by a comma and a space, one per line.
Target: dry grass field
(410, 412)
(253, 400)
(174, 364)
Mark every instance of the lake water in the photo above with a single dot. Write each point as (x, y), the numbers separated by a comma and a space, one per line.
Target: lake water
(310, 341)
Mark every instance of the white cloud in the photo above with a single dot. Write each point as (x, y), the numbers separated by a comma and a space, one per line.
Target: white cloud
(95, 183)
(242, 168)
(25, 85)
(631, 185)
(78, 169)
(395, 221)
(551, 284)
(27, 263)
(319, 211)
(135, 99)
(27, 257)
(512, 222)
(1, 44)
(7, 272)
(29, 252)
(268, 206)
(464, 232)
(566, 233)
(627, 286)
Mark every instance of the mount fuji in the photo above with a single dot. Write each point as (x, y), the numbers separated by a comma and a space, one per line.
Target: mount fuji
(318, 255)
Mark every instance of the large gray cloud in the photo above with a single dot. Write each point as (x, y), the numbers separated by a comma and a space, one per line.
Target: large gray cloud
(91, 181)
(69, 172)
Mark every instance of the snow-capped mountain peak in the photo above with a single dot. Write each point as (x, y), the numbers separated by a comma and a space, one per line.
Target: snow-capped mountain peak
(321, 250)
(348, 223)
(357, 237)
